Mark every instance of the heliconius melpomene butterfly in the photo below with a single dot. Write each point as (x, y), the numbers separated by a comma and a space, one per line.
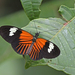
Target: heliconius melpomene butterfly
(25, 43)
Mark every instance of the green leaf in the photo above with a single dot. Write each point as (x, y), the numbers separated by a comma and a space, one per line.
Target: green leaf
(66, 12)
(29, 62)
(62, 35)
(31, 8)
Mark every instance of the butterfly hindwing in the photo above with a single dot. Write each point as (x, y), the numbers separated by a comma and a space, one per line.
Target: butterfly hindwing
(44, 49)
(35, 53)
(18, 38)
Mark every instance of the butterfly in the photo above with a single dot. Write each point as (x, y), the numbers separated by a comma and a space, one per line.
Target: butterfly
(25, 43)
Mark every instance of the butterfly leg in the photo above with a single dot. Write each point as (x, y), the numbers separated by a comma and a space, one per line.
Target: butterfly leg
(24, 56)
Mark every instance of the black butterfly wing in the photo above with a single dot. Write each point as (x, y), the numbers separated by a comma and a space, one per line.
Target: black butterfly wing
(44, 49)
(18, 38)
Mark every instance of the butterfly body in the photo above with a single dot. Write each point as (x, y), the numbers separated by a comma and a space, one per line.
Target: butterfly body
(25, 43)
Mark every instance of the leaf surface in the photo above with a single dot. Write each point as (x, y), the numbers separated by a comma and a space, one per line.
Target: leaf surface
(31, 8)
(62, 35)
(66, 12)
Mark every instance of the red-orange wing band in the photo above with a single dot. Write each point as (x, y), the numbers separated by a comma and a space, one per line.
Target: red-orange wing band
(36, 49)
(25, 40)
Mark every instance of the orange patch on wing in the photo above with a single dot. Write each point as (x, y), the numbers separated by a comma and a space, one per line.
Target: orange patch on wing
(31, 53)
(34, 56)
(42, 41)
(19, 47)
(26, 42)
(24, 50)
(25, 37)
(37, 50)
(37, 47)
(26, 34)
(28, 48)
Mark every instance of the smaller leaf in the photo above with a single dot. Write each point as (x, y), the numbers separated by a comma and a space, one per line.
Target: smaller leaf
(31, 8)
(30, 62)
(66, 12)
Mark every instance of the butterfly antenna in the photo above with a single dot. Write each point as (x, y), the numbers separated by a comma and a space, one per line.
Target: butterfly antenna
(24, 56)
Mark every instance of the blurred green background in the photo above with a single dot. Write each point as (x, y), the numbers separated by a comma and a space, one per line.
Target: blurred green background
(11, 13)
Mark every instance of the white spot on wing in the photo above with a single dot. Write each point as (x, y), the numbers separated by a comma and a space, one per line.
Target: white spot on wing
(51, 46)
(12, 31)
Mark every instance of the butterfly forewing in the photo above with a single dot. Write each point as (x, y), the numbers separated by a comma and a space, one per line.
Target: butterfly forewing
(5, 33)
(19, 39)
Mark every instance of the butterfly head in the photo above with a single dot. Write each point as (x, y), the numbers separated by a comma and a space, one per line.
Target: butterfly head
(37, 34)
